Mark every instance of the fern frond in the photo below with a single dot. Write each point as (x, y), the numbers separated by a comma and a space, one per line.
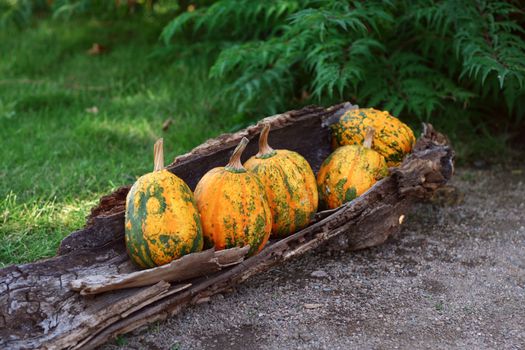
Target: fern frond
(488, 44)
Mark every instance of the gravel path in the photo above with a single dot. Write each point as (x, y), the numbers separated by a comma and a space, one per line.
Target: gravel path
(453, 278)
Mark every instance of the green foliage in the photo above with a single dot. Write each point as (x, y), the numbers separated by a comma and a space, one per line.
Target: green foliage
(69, 8)
(121, 340)
(229, 19)
(20, 13)
(424, 60)
(17, 13)
(111, 9)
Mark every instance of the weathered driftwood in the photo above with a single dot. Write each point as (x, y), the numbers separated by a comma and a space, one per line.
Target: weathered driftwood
(188, 267)
(38, 310)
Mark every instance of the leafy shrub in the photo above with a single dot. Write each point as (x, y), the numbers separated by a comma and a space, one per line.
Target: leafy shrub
(422, 60)
(458, 63)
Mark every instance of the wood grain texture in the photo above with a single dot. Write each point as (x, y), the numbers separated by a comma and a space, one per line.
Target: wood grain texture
(38, 309)
(188, 267)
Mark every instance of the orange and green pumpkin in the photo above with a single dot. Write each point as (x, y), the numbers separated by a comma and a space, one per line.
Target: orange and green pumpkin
(349, 172)
(393, 138)
(162, 222)
(233, 206)
(290, 186)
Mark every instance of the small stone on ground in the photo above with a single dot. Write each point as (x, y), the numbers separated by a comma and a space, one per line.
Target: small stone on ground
(319, 274)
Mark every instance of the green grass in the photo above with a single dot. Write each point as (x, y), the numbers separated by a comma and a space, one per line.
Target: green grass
(56, 158)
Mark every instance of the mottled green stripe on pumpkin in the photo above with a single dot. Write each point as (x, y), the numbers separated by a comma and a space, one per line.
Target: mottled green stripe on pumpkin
(301, 218)
(187, 195)
(229, 235)
(254, 239)
(339, 189)
(168, 243)
(136, 244)
(350, 194)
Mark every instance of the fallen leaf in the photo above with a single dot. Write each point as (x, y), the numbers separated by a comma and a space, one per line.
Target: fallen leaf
(96, 49)
(167, 124)
(305, 95)
(92, 110)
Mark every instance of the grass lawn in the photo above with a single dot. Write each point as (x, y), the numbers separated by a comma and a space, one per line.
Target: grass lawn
(57, 159)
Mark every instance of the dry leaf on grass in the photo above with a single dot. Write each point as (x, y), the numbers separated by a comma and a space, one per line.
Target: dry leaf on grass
(92, 110)
(97, 49)
(166, 124)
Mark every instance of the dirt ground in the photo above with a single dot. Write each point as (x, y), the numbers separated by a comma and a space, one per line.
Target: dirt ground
(453, 278)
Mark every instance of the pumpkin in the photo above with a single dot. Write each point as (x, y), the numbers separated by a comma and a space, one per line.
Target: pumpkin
(393, 138)
(162, 222)
(233, 206)
(290, 186)
(349, 172)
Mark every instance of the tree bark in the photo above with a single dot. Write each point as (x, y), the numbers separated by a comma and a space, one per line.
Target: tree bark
(183, 269)
(38, 309)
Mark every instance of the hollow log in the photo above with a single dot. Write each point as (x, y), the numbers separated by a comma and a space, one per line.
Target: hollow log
(38, 308)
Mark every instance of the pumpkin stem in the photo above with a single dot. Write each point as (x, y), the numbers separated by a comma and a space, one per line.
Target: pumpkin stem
(158, 155)
(265, 151)
(369, 137)
(235, 164)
